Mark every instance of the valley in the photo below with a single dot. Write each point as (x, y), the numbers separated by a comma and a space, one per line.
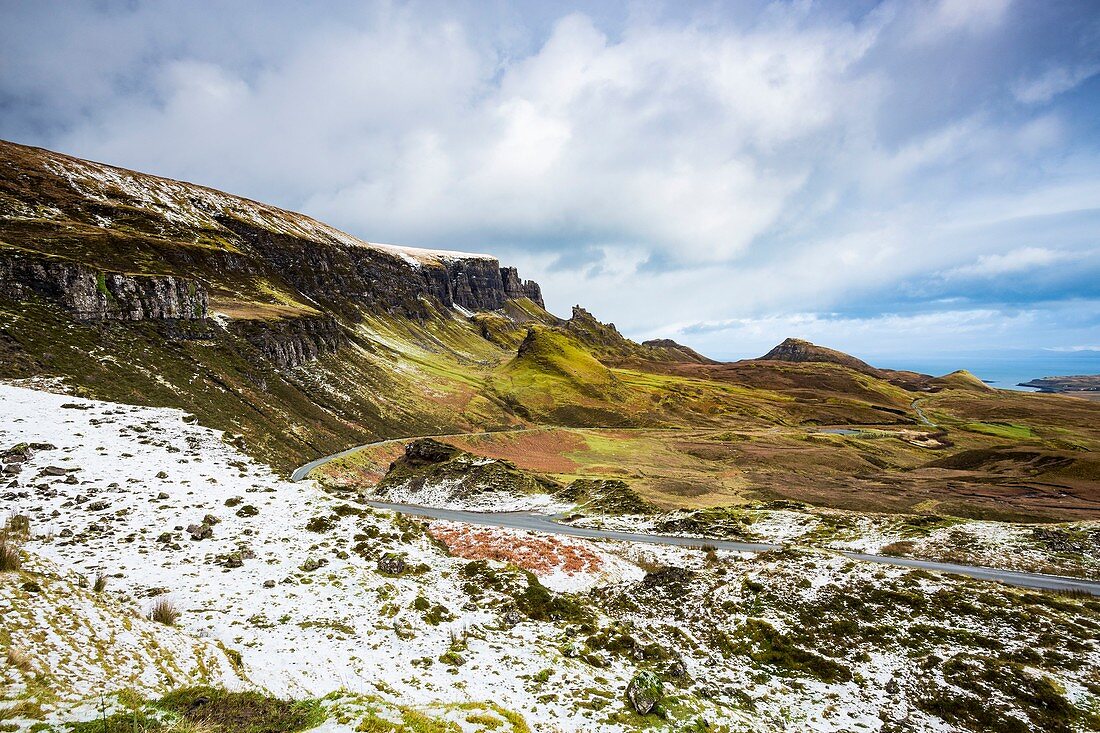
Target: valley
(260, 474)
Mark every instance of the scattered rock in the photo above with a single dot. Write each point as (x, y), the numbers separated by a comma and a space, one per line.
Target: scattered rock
(162, 474)
(644, 692)
(247, 511)
(200, 531)
(52, 471)
(210, 520)
(313, 564)
(391, 564)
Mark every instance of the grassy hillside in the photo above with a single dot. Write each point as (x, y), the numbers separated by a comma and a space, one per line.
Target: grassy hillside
(317, 341)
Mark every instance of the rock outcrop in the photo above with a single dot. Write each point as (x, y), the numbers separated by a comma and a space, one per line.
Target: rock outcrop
(291, 342)
(670, 350)
(92, 295)
(515, 288)
(798, 350)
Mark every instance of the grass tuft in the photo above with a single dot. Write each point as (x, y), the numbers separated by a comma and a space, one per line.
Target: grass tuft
(10, 559)
(164, 612)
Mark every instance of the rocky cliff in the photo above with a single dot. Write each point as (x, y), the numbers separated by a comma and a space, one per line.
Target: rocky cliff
(515, 288)
(106, 243)
(95, 295)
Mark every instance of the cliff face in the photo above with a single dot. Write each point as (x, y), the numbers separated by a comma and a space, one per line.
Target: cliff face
(92, 295)
(110, 244)
(515, 288)
(292, 342)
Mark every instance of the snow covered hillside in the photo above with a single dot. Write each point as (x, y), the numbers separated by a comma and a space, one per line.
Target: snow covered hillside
(284, 588)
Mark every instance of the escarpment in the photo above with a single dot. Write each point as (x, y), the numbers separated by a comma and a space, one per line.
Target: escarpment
(108, 244)
(95, 295)
(292, 342)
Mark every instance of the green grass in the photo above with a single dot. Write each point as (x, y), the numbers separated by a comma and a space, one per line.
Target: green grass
(243, 712)
(1001, 430)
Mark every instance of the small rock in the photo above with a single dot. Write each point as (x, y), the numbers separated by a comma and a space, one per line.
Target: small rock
(644, 692)
(53, 471)
(200, 531)
(313, 564)
(162, 495)
(210, 519)
(162, 474)
(391, 564)
(269, 584)
(247, 511)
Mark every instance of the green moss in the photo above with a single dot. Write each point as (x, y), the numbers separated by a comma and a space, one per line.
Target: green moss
(244, 712)
(764, 644)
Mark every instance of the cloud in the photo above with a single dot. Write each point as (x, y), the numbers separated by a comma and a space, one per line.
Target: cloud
(1051, 83)
(1024, 259)
(687, 163)
(951, 16)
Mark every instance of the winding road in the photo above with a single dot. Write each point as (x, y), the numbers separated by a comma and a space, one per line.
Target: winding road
(552, 524)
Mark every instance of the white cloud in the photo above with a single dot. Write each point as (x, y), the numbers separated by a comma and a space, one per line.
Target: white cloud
(1018, 260)
(659, 171)
(1041, 89)
(949, 16)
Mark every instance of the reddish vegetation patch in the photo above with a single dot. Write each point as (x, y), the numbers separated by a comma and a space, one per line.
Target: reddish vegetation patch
(539, 450)
(539, 554)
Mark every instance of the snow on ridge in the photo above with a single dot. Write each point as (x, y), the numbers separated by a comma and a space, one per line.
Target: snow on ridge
(194, 205)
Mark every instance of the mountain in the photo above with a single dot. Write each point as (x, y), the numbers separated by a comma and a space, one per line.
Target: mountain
(799, 351)
(260, 321)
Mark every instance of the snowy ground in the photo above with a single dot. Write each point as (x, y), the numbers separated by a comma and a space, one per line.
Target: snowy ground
(132, 481)
(289, 593)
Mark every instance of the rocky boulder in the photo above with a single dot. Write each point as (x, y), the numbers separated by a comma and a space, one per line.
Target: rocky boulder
(645, 691)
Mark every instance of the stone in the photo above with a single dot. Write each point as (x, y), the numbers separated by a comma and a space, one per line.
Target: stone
(200, 531)
(391, 564)
(644, 692)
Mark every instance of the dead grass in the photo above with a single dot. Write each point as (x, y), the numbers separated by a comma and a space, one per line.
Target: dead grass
(100, 583)
(540, 554)
(10, 558)
(164, 612)
(19, 659)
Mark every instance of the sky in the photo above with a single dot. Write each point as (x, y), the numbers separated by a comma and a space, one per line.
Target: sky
(893, 178)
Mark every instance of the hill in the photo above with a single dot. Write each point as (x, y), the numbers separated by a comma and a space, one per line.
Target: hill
(299, 341)
(799, 351)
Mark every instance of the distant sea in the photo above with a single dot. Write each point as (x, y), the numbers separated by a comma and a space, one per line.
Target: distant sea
(1001, 369)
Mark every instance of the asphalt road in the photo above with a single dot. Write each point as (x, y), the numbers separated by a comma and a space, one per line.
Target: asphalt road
(551, 525)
